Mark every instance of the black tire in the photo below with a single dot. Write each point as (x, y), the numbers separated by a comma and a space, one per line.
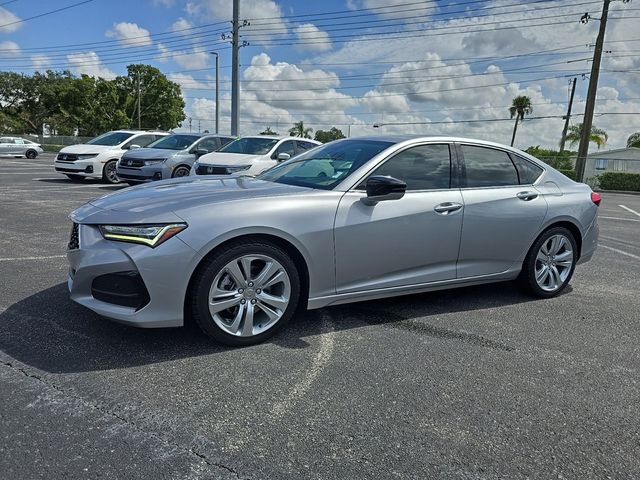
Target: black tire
(181, 171)
(198, 296)
(527, 278)
(75, 178)
(31, 154)
(108, 173)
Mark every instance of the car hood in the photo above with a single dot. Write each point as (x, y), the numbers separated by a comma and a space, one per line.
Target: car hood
(162, 201)
(220, 158)
(83, 148)
(147, 153)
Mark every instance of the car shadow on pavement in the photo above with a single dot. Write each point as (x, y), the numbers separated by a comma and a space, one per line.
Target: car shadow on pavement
(86, 181)
(50, 332)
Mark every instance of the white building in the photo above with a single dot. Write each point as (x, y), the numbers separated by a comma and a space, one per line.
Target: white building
(621, 160)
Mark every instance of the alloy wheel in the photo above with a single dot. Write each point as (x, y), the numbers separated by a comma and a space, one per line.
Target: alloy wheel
(181, 172)
(111, 172)
(249, 295)
(553, 263)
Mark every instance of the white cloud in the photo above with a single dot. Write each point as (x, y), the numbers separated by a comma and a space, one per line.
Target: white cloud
(8, 19)
(130, 34)
(164, 3)
(317, 39)
(89, 63)
(181, 25)
(396, 8)
(40, 61)
(164, 54)
(9, 48)
(193, 59)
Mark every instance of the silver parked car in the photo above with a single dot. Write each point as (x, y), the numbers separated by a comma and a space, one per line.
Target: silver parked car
(19, 147)
(171, 156)
(351, 220)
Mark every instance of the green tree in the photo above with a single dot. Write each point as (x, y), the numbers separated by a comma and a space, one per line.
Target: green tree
(161, 103)
(326, 136)
(634, 140)
(298, 130)
(268, 131)
(597, 136)
(520, 107)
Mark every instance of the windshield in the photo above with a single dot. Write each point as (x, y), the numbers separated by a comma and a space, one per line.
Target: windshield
(110, 139)
(250, 146)
(175, 142)
(326, 166)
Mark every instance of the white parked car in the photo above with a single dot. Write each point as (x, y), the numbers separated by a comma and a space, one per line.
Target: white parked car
(251, 155)
(98, 157)
(19, 147)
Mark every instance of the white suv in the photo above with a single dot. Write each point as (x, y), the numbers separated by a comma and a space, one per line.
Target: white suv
(98, 157)
(251, 155)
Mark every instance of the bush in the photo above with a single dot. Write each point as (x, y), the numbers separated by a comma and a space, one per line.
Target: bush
(569, 173)
(52, 148)
(620, 181)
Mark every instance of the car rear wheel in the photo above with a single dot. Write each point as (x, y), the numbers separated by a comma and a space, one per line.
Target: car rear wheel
(109, 174)
(75, 178)
(245, 293)
(31, 154)
(550, 263)
(181, 171)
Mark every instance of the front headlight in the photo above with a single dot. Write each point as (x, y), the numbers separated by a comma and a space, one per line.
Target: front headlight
(154, 161)
(150, 235)
(87, 156)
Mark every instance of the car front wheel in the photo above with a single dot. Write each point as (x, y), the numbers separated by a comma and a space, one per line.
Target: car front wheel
(181, 171)
(109, 174)
(550, 263)
(245, 293)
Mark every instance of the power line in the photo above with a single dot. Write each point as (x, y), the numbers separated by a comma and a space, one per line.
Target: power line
(46, 13)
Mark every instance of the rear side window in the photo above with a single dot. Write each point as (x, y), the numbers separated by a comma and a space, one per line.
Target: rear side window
(527, 171)
(225, 140)
(304, 146)
(488, 167)
(425, 167)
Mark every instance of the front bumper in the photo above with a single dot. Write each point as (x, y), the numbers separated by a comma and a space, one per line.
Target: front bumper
(164, 272)
(147, 173)
(83, 168)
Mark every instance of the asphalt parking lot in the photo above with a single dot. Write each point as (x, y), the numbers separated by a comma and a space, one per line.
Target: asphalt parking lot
(481, 382)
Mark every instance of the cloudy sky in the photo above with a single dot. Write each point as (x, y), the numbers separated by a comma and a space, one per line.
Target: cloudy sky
(427, 67)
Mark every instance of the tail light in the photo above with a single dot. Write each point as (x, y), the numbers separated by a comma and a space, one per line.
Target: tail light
(596, 198)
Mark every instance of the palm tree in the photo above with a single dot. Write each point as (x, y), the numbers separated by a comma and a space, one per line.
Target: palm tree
(598, 136)
(634, 140)
(520, 107)
(298, 130)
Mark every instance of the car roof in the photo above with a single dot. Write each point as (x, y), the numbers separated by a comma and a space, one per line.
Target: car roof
(281, 137)
(395, 139)
(139, 131)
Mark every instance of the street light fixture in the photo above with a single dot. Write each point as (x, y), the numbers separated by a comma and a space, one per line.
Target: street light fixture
(217, 90)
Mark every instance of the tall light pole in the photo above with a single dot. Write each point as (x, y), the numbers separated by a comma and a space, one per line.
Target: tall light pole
(235, 69)
(217, 90)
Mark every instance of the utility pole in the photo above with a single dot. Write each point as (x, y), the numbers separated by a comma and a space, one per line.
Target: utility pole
(235, 69)
(139, 94)
(589, 108)
(566, 119)
(217, 91)
(199, 126)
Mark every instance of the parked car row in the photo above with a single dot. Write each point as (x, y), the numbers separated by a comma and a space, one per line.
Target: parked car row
(19, 147)
(136, 157)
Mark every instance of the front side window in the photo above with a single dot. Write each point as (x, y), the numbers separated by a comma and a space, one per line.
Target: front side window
(488, 167)
(110, 139)
(285, 147)
(527, 171)
(142, 141)
(326, 166)
(250, 146)
(425, 167)
(209, 144)
(19, 141)
(304, 146)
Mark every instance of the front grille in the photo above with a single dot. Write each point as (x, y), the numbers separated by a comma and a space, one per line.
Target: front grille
(211, 170)
(131, 162)
(67, 157)
(133, 177)
(70, 170)
(74, 241)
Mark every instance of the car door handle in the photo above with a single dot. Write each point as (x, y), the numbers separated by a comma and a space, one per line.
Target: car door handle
(447, 208)
(526, 196)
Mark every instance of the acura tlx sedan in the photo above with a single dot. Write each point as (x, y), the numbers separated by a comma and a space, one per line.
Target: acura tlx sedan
(351, 220)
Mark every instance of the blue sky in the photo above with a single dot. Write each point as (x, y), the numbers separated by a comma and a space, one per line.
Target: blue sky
(409, 66)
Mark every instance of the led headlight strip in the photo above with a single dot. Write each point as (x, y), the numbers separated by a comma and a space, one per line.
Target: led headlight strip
(150, 235)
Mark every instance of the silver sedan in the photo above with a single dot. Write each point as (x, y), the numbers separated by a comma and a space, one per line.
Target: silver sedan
(19, 147)
(352, 220)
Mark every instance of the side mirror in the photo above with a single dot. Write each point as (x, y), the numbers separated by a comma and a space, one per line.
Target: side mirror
(283, 156)
(134, 146)
(201, 151)
(380, 188)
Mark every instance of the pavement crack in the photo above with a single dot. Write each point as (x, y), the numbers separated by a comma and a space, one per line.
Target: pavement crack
(134, 426)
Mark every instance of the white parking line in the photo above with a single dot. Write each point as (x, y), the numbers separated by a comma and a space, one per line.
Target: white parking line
(621, 252)
(629, 210)
(18, 259)
(619, 218)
